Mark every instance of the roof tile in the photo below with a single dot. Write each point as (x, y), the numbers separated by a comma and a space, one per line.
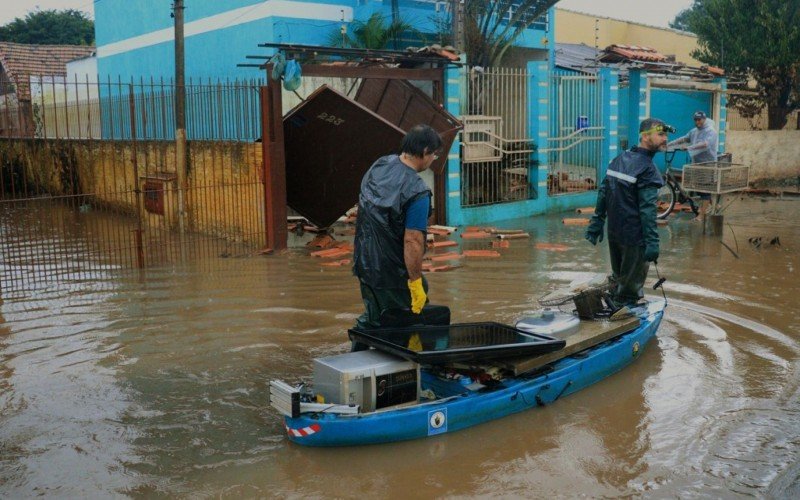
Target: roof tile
(21, 61)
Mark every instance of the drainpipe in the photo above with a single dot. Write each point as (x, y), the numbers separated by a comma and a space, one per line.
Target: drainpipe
(395, 18)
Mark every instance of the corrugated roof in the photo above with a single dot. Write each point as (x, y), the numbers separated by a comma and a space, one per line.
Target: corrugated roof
(577, 57)
(21, 61)
(585, 59)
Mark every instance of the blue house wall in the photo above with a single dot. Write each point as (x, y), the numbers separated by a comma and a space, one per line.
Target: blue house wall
(136, 38)
(676, 108)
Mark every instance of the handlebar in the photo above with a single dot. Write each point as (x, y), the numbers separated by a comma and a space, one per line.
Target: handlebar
(669, 155)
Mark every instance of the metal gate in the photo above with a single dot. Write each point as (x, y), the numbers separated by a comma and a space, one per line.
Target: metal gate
(88, 182)
(576, 133)
(497, 151)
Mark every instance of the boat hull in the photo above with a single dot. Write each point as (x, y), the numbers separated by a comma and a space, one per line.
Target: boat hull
(514, 395)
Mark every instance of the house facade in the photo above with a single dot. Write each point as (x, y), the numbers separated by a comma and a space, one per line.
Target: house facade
(572, 120)
(136, 38)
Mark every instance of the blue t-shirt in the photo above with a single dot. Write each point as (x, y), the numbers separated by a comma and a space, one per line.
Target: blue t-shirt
(417, 214)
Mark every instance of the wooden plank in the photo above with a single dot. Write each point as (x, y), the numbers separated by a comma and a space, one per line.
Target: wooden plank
(434, 74)
(589, 334)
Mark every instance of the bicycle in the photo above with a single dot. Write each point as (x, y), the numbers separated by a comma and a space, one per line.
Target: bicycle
(672, 190)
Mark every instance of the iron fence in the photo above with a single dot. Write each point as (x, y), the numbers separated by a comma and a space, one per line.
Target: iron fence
(96, 108)
(89, 181)
(575, 139)
(497, 152)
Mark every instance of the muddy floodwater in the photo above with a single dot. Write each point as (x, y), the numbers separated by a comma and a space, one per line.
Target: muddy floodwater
(155, 384)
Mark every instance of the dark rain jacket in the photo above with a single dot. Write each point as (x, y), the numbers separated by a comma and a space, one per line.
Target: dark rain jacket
(628, 196)
(387, 189)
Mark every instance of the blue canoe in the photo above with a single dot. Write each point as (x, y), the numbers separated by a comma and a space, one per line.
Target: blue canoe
(461, 408)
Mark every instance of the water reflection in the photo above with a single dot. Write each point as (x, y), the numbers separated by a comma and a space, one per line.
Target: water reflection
(155, 384)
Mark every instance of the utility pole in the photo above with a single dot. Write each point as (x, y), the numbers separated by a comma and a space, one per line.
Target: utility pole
(180, 115)
(457, 12)
(395, 19)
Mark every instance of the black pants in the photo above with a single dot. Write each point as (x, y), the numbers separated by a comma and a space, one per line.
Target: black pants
(629, 271)
(377, 300)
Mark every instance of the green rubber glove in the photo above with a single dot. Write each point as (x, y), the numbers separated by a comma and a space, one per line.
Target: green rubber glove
(594, 232)
(418, 295)
(651, 253)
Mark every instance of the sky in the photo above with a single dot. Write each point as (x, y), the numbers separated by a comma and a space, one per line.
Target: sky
(12, 9)
(653, 12)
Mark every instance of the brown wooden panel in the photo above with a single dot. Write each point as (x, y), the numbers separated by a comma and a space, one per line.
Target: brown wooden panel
(371, 96)
(404, 105)
(418, 111)
(331, 141)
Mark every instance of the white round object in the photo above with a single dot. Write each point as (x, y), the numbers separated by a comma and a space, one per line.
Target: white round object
(547, 322)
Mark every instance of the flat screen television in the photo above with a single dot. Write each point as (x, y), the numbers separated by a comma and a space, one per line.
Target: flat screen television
(457, 342)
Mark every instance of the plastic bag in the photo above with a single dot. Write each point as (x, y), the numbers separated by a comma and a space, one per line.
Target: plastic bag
(292, 75)
(278, 62)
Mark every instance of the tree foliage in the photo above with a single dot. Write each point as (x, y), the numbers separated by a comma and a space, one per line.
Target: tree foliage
(680, 22)
(757, 40)
(491, 27)
(377, 32)
(50, 27)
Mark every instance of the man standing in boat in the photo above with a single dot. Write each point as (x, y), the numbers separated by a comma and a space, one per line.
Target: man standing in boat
(628, 196)
(393, 209)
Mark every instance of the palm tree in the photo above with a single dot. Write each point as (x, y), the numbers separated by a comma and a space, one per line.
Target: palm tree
(374, 33)
(491, 27)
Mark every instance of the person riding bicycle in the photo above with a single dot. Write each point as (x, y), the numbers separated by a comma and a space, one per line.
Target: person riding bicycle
(702, 139)
(627, 196)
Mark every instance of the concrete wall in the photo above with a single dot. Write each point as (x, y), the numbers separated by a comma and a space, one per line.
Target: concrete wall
(224, 196)
(773, 155)
(577, 27)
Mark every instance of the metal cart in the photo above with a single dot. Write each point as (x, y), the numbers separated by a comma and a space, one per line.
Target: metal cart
(716, 178)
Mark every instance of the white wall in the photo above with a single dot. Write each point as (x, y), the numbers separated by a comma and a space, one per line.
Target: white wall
(771, 154)
(80, 69)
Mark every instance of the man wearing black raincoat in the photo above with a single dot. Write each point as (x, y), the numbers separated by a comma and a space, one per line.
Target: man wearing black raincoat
(627, 196)
(393, 210)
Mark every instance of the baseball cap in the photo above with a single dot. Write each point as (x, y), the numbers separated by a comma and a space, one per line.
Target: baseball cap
(698, 115)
